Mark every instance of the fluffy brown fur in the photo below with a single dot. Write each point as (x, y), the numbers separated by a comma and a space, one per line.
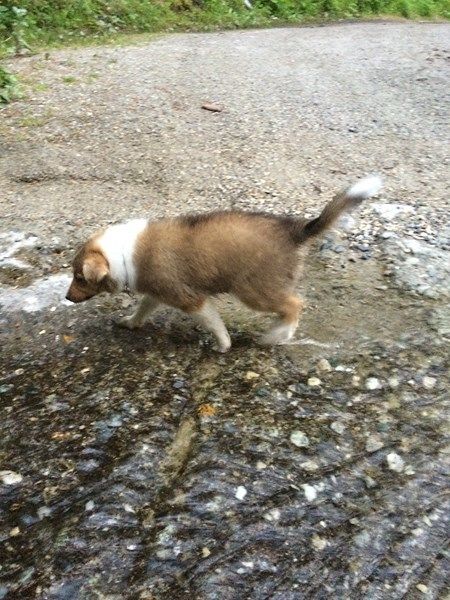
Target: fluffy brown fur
(181, 262)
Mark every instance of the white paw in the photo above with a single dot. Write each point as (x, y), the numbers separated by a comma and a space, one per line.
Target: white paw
(129, 323)
(281, 334)
(270, 340)
(223, 345)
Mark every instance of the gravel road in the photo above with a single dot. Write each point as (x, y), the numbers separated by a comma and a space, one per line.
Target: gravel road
(145, 466)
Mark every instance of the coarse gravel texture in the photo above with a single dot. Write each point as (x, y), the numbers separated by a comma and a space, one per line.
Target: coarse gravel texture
(143, 465)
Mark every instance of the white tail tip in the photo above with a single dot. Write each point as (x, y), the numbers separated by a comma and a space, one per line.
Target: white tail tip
(365, 188)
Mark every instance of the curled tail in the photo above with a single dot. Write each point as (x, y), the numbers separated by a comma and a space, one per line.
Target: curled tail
(343, 202)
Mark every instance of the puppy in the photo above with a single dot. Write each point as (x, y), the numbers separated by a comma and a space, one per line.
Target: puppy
(184, 261)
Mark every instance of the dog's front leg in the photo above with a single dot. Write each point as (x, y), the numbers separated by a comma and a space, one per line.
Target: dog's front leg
(147, 305)
(208, 316)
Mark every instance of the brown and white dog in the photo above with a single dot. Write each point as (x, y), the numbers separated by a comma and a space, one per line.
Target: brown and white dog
(184, 261)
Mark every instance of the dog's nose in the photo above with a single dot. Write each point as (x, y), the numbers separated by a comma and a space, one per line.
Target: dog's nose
(68, 298)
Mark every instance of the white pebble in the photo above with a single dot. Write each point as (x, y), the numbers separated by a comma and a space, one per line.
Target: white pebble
(309, 465)
(324, 365)
(251, 375)
(310, 492)
(299, 439)
(394, 381)
(10, 477)
(272, 515)
(314, 382)
(422, 588)
(373, 384)
(43, 511)
(89, 505)
(338, 427)
(373, 443)
(395, 462)
(241, 492)
(261, 465)
(428, 382)
(318, 542)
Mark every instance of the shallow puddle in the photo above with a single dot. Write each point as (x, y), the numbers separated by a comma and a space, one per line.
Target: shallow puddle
(144, 465)
(41, 295)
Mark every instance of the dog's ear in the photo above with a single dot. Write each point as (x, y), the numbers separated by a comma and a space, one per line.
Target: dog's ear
(95, 268)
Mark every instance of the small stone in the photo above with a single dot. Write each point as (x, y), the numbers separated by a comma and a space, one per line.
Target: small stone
(310, 492)
(422, 588)
(299, 439)
(394, 382)
(373, 443)
(429, 382)
(370, 483)
(212, 107)
(10, 477)
(272, 515)
(115, 421)
(314, 382)
(15, 531)
(309, 465)
(241, 492)
(87, 466)
(338, 427)
(373, 384)
(43, 511)
(248, 564)
(205, 552)
(90, 505)
(318, 542)
(395, 462)
(261, 465)
(356, 380)
(251, 375)
(390, 211)
(179, 384)
(324, 365)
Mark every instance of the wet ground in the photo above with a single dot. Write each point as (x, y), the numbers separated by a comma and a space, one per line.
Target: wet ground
(144, 465)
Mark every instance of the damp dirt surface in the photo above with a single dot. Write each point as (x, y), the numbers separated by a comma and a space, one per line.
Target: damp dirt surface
(145, 465)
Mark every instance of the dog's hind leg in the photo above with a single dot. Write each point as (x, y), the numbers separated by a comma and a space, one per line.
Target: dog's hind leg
(288, 309)
(147, 305)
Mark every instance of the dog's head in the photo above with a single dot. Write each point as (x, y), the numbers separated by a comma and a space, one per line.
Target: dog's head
(91, 274)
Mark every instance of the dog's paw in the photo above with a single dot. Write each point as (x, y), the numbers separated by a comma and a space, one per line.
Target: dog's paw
(129, 323)
(268, 340)
(222, 348)
(222, 345)
(278, 335)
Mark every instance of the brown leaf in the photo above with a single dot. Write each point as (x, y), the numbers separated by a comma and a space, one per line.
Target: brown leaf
(206, 410)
